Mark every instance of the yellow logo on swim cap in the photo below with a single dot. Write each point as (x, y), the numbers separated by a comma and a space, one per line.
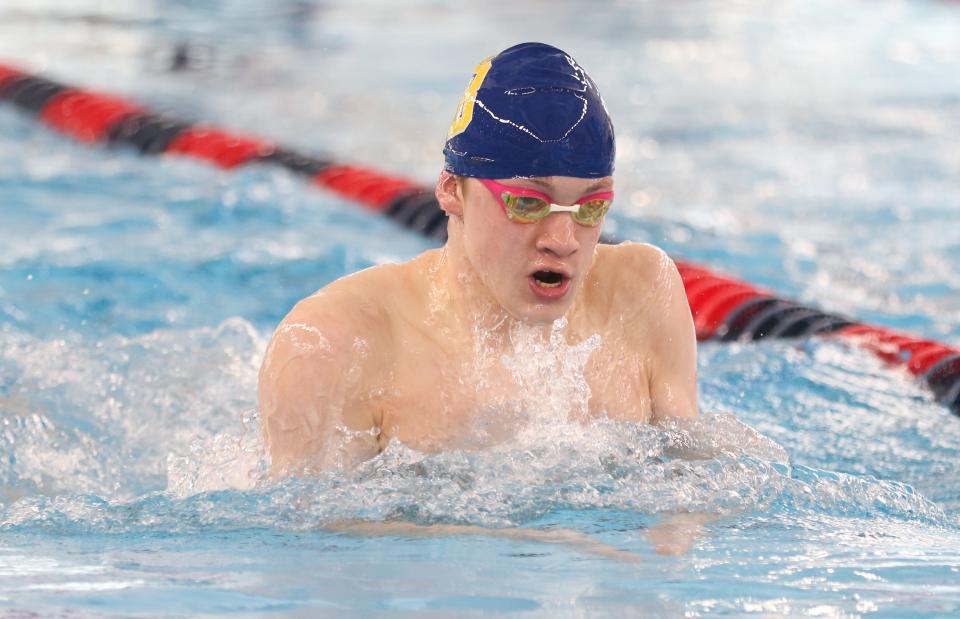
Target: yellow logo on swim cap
(465, 110)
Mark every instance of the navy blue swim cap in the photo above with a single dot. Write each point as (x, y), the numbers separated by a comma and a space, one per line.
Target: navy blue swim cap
(531, 110)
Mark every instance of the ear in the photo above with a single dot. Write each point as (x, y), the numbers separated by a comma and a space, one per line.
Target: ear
(449, 194)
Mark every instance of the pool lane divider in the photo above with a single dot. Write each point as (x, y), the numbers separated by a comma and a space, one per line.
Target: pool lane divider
(724, 309)
(98, 118)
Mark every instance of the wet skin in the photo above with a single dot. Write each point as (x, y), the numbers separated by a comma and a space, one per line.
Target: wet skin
(415, 351)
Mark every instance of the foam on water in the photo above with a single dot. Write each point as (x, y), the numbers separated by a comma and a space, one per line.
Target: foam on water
(101, 416)
(161, 436)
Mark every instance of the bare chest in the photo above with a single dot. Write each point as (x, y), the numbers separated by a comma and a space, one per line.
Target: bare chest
(443, 398)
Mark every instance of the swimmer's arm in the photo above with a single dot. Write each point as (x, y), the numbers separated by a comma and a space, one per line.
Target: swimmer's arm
(673, 388)
(567, 537)
(673, 392)
(311, 388)
(673, 376)
(675, 534)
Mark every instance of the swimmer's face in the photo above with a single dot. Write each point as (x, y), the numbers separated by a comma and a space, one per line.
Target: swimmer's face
(533, 270)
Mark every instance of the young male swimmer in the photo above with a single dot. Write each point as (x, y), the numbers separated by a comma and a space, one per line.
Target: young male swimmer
(413, 351)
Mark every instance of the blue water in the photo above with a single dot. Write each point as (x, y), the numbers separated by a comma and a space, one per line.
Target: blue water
(807, 146)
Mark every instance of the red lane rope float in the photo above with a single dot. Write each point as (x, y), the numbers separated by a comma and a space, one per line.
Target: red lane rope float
(723, 308)
(7, 74)
(712, 298)
(918, 355)
(372, 189)
(220, 148)
(85, 116)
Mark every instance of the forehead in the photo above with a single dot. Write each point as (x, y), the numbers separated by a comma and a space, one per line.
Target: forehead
(549, 184)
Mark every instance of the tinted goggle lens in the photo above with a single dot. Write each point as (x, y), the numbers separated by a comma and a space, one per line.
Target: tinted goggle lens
(528, 209)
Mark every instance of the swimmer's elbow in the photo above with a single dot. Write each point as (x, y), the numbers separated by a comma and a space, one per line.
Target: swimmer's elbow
(316, 379)
(289, 433)
(313, 415)
(691, 412)
(683, 407)
(294, 401)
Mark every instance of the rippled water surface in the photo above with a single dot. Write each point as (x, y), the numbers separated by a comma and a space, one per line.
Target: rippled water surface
(810, 147)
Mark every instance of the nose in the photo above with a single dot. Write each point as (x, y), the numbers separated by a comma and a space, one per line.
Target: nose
(557, 235)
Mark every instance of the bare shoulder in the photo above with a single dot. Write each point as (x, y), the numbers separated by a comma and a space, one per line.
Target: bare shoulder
(638, 278)
(326, 358)
(356, 309)
(641, 262)
(343, 321)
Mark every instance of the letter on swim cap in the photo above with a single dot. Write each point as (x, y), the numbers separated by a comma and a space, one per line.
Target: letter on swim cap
(465, 110)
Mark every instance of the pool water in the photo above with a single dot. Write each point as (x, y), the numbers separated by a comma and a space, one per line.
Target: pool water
(807, 146)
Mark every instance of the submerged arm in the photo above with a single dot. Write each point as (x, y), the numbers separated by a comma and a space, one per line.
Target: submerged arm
(567, 537)
(676, 533)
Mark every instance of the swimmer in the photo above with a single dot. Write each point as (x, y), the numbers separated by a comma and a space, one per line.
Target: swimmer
(413, 352)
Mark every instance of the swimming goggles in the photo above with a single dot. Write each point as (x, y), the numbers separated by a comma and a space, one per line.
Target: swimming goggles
(526, 206)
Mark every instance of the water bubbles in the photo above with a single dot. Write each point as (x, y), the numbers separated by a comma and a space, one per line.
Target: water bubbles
(714, 465)
(101, 416)
(549, 372)
(305, 338)
(233, 459)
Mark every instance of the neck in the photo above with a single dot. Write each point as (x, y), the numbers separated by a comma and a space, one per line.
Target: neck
(464, 300)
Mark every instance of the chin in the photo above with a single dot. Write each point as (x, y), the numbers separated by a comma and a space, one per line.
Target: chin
(538, 314)
(525, 307)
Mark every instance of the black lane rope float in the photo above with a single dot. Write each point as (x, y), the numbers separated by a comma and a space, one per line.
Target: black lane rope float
(723, 308)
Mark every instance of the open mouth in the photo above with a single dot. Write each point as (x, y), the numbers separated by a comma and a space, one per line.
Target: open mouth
(548, 279)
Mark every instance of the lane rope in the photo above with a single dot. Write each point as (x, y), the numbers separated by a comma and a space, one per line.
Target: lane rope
(724, 309)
